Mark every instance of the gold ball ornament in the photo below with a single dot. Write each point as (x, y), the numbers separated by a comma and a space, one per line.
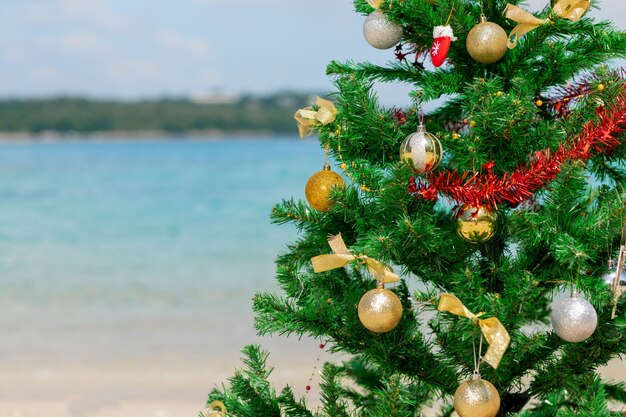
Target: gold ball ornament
(422, 149)
(487, 42)
(476, 224)
(380, 310)
(318, 187)
(216, 409)
(476, 398)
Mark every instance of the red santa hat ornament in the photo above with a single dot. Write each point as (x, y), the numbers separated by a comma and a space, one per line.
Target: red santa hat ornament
(441, 45)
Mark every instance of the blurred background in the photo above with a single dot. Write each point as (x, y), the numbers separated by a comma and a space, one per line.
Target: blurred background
(143, 145)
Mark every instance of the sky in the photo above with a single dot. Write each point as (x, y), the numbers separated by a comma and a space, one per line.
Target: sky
(151, 48)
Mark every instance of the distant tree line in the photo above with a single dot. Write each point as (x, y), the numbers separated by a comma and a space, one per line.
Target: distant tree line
(66, 115)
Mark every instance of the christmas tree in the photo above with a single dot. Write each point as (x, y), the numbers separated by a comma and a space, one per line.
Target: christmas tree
(504, 205)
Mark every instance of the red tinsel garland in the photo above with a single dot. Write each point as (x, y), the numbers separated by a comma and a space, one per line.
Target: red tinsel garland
(490, 190)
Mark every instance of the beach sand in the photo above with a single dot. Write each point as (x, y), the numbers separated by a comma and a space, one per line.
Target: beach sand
(154, 387)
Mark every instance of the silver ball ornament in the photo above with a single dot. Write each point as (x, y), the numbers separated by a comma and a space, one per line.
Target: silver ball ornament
(574, 319)
(380, 32)
(422, 149)
(610, 276)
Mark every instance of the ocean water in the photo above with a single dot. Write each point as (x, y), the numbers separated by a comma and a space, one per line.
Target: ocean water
(125, 249)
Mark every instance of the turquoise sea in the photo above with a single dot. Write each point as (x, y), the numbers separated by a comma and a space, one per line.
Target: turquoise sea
(118, 250)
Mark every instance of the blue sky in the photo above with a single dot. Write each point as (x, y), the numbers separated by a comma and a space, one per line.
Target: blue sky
(149, 48)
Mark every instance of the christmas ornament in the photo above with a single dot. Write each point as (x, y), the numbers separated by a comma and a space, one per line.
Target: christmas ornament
(476, 224)
(616, 278)
(574, 319)
(567, 9)
(492, 329)
(486, 42)
(526, 20)
(597, 137)
(318, 187)
(441, 45)
(380, 310)
(422, 149)
(610, 277)
(341, 256)
(476, 398)
(380, 32)
(308, 119)
(216, 409)
(570, 9)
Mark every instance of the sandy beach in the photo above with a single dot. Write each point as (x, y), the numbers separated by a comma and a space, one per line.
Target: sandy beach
(165, 389)
(153, 386)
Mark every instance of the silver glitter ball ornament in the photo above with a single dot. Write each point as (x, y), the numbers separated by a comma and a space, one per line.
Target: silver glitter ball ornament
(574, 319)
(610, 276)
(380, 32)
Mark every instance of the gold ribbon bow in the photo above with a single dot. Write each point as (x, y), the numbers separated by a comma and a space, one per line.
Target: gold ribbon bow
(308, 118)
(212, 409)
(342, 256)
(571, 9)
(567, 9)
(375, 3)
(494, 332)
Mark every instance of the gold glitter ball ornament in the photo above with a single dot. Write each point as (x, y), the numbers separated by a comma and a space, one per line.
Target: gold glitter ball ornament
(318, 187)
(422, 149)
(380, 310)
(476, 224)
(476, 398)
(487, 42)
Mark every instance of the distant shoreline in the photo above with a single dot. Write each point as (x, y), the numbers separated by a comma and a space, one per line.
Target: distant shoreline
(61, 118)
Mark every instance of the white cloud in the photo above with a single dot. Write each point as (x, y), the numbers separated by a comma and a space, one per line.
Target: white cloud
(82, 42)
(43, 73)
(14, 55)
(133, 70)
(209, 78)
(87, 13)
(179, 43)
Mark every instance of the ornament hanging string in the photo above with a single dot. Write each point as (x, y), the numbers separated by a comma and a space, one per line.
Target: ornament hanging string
(494, 332)
(342, 256)
(449, 16)
(490, 189)
(317, 362)
(477, 356)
